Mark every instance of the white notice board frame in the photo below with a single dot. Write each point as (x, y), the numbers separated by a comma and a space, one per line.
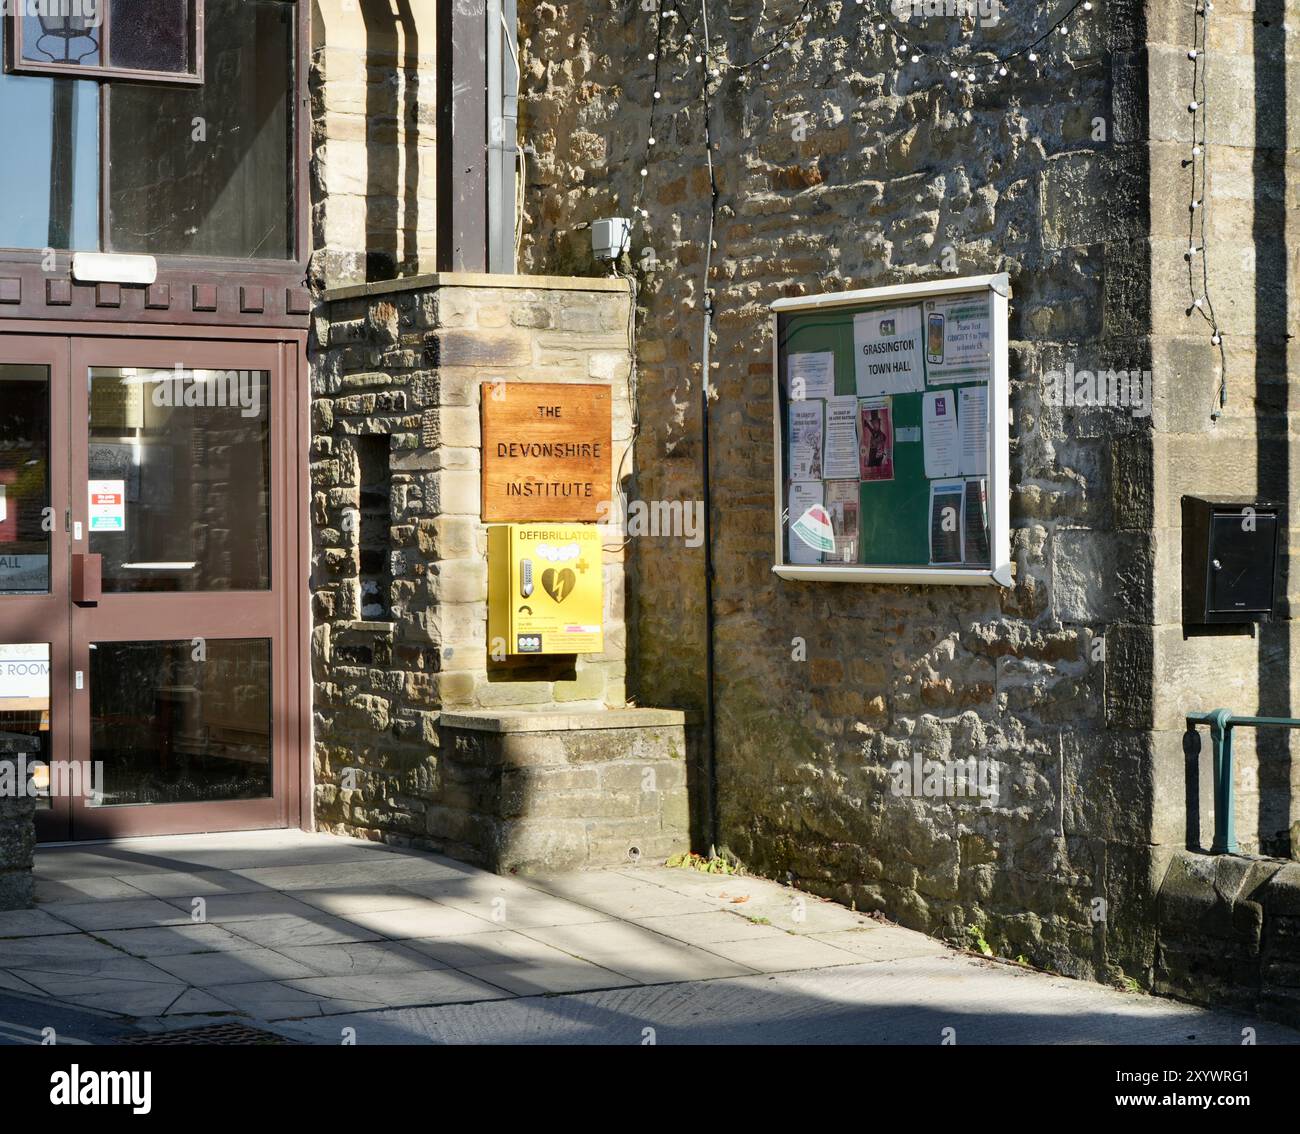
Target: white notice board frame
(999, 572)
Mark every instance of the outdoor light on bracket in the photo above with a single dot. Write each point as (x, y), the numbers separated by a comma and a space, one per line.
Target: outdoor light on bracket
(610, 237)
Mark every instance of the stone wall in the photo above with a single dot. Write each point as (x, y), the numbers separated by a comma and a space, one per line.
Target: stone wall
(17, 846)
(1229, 933)
(1253, 144)
(535, 791)
(373, 140)
(846, 166)
(399, 582)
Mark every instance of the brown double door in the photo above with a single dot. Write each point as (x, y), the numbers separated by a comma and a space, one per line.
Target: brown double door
(150, 558)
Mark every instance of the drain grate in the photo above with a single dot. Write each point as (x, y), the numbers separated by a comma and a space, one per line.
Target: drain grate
(223, 1035)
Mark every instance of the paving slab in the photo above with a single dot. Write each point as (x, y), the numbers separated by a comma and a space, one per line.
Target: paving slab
(437, 986)
(290, 930)
(272, 1000)
(86, 978)
(428, 920)
(134, 1000)
(377, 868)
(535, 978)
(174, 940)
(359, 897)
(191, 884)
(478, 950)
(31, 923)
(883, 943)
(705, 928)
(194, 1001)
(134, 913)
(222, 909)
(783, 954)
(24, 952)
(362, 958)
(524, 910)
(84, 889)
(209, 970)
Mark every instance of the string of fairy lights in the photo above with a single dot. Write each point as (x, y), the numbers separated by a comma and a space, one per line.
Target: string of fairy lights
(675, 38)
(962, 68)
(1198, 166)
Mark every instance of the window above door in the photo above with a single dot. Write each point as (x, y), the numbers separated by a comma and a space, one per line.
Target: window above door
(144, 40)
(169, 128)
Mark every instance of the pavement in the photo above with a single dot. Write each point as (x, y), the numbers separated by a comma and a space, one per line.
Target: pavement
(329, 940)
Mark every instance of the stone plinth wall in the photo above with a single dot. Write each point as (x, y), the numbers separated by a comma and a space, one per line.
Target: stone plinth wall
(17, 844)
(399, 576)
(1229, 933)
(539, 792)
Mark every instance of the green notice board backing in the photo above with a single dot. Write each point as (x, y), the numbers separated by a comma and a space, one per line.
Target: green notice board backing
(893, 400)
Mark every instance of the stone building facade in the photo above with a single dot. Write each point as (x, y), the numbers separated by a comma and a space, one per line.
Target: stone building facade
(845, 164)
(760, 718)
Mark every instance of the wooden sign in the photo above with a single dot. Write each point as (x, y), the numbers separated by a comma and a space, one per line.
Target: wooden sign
(546, 451)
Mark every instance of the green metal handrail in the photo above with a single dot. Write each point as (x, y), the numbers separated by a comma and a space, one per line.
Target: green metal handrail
(1222, 722)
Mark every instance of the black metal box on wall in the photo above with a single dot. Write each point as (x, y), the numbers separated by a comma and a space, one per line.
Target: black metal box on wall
(1230, 559)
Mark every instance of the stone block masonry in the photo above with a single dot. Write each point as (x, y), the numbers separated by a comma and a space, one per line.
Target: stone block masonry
(842, 167)
(845, 165)
(544, 792)
(399, 582)
(17, 846)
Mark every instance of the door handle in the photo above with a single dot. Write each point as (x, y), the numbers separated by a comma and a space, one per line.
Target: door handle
(87, 578)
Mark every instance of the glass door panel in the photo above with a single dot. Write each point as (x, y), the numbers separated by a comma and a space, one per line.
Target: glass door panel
(179, 478)
(26, 748)
(182, 721)
(176, 448)
(26, 518)
(34, 617)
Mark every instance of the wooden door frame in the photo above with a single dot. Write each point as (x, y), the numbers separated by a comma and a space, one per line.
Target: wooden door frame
(290, 486)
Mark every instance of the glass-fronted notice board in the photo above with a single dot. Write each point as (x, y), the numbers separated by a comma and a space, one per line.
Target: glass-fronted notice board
(891, 428)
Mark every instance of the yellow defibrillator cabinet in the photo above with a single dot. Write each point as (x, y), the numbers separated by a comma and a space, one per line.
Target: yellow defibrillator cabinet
(545, 593)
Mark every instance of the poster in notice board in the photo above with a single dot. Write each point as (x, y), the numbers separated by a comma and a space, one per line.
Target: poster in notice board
(913, 377)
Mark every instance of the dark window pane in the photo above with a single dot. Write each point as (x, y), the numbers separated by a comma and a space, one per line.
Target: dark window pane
(24, 480)
(62, 39)
(49, 139)
(209, 170)
(181, 722)
(150, 35)
(188, 455)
